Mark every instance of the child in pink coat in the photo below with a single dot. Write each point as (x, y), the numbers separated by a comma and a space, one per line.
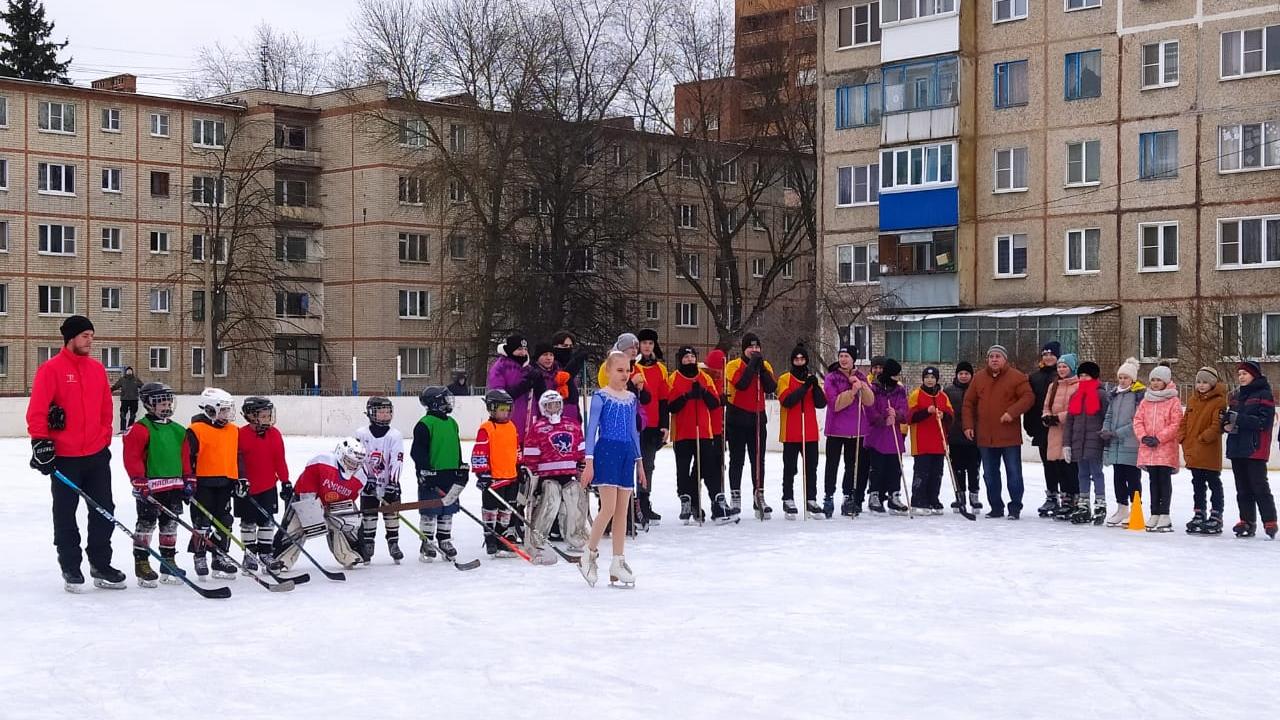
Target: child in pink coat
(1156, 426)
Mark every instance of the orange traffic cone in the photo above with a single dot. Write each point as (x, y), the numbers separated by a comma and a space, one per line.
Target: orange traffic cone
(1136, 521)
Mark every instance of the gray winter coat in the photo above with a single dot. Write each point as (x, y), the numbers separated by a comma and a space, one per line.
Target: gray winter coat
(1123, 449)
(1080, 432)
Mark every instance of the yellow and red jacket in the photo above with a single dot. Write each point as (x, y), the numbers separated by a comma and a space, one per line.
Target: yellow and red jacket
(748, 394)
(693, 417)
(497, 450)
(927, 436)
(799, 402)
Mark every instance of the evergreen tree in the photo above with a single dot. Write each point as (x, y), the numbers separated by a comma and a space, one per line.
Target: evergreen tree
(25, 49)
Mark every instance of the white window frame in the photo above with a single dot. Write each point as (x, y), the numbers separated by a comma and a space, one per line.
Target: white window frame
(66, 239)
(159, 125)
(457, 138)
(47, 177)
(1266, 129)
(935, 7)
(1161, 65)
(112, 179)
(1080, 5)
(1011, 155)
(888, 170)
(159, 301)
(112, 299)
(688, 216)
(1013, 11)
(4, 298)
(219, 189)
(422, 360)
(1084, 164)
(111, 120)
(197, 361)
(1080, 237)
(108, 354)
(847, 178)
(1163, 264)
(416, 304)
(158, 358)
(1161, 351)
(872, 30)
(409, 191)
(4, 237)
(112, 239)
(413, 133)
(4, 173)
(201, 249)
(806, 13)
(1265, 221)
(65, 118)
(4, 112)
(457, 193)
(848, 255)
(652, 262)
(686, 314)
(1264, 340)
(758, 267)
(1262, 50)
(1012, 240)
(159, 242)
(652, 310)
(66, 300)
(208, 133)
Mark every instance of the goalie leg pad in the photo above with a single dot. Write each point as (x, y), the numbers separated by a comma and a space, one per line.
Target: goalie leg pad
(573, 514)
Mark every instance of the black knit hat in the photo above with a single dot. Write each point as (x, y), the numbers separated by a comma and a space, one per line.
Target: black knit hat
(748, 339)
(514, 341)
(964, 366)
(877, 361)
(1090, 368)
(931, 370)
(851, 349)
(1053, 346)
(891, 368)
(685, 350)
(542, 348)
(801, 350)
(647, 334)
(73, 326)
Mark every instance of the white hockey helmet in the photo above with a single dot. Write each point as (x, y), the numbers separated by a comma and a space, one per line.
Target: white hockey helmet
(217, 406)
(350, 454)
(549, 400)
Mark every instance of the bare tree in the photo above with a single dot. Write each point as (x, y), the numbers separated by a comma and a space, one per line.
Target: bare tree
(270, 58)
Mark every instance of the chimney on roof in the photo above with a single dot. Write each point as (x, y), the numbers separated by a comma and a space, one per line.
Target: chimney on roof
(119, 83)
(466, 99)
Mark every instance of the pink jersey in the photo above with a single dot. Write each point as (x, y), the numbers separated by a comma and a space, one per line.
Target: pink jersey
(323, 479)
(554, 450)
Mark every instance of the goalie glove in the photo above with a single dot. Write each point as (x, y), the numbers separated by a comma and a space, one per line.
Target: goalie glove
(286, 492)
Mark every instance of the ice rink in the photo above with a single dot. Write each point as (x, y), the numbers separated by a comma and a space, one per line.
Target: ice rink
(882, 617)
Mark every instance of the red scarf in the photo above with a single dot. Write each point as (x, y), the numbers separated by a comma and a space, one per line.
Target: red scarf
(1085, 401)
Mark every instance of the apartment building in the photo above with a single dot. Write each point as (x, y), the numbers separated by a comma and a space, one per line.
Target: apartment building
(1101, 172)
(105, 199)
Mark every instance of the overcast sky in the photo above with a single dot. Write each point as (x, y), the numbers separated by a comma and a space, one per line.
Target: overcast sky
(156, 41)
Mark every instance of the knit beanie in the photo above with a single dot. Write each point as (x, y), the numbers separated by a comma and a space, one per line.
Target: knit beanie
(998, 349)
(964, 366)
(1248, 366)
(542, 348)
(1070, 361)
(1207, 375)
(73, 326)
(1129, 368)
(749, 339)
(1053, 346)
(850, 350)
(625, 342)
(931, 370)
(1161, 372)
(514, 342)
(1090, 368)
(892, 368)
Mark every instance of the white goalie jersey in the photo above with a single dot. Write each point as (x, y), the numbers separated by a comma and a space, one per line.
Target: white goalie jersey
(385, 456)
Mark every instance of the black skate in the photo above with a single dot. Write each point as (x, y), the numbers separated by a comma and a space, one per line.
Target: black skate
(449, 551)
(1212, 524)
(1245, 529)
(896, 506)
(427, 551)
(107, 578)
(761, 508)
(512, 537)
(365, 549)
(735, 502)
(1082, 514)
(686, 510)
(1050, 505)
(1196, 525)
(201, 563)
(847, 506)
(652, 518)
(975, 501)
(1099, 512)
(815, 510)
(393, 549)
(1270, 528)
(73, 581)
(790, 510)
(1066, 508)
(147, 577)
(175, 576)
(491, 544)
(721, 513)
(250, 563)
(829, 507)
(223, 570)
(874, 503)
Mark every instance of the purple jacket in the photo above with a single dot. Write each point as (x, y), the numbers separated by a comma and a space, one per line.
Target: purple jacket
(850, 422)
(880, 437)
(508, 374)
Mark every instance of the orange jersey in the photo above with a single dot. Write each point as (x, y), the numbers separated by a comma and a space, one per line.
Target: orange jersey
(211, 451)
(497, 450)
(692, 417)
(799, 415)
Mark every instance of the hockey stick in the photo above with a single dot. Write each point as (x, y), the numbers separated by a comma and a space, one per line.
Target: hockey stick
(955, 485)
(510, 545)
(566, 556)
(297, 579)
(282, 586)
(902, 470)
(399, 507)
(471, 564)
(337, 576)
(214, 593)
(804, 461)
(757, 469)
(857, 456)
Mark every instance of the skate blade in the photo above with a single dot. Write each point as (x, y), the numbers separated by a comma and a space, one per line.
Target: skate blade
(616, 583)
(792, 516)
(170, 580)
(74, 588)
(426, 558)
(104, 585)
(147, 583)
(224, 576)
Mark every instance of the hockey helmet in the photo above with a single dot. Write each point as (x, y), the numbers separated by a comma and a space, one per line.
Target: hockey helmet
(436, 399)
(258, 411)
(551, 404)
(153, 395)
(495, 400)
(373, 410)
(217, 405)
(350, 454)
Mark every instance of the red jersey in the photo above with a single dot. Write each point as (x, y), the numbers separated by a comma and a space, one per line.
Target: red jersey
(261, 459)
(77, 384)
(926, 433)
(655, 381)
(555, 450)
(322, 478)
(692, 417)
(715, 368)
(799, 404)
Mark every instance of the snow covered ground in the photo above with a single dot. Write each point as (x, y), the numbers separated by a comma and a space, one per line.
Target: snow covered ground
(880, 617)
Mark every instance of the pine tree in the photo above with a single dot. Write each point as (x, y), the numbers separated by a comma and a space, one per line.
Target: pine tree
(25, 50)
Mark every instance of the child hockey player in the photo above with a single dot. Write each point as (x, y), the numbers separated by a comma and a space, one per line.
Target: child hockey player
(885, 420)
(153, 460)
(801, 397)
(437, 456)
(751, 378)
(1249, 420)
(715, 464)
(614, 465)
(931, 414)
(496, 458)
(210, 455)
(694, 401)
(1156, 426)
(1060, 472)
(384, 448)
(1082, 445)
(1121, 445)
(1201, 438)
(262, 465)
(965, 457)
(848, 395)
(554, 448)
(324, 503)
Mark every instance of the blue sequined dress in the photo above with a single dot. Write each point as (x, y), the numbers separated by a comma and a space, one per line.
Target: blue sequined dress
(613, 439)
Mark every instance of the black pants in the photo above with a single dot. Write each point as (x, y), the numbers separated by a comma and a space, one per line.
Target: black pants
(1211, 480)
(130, 408)
(493, 512)
(1127, 480)
(215, 495)
(926, 481)
(1252, 491)
(1050, 479)
(1063, 476)
(697, 460)
(791, 454)
(745, 440)
(965, 460)
(249, 513)
(650, 444)
(150, 516)
(886, 473)
(1161, 479)
(92, 474)
(857, 466)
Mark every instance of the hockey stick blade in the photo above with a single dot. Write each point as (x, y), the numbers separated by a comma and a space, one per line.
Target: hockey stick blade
(468, 565)
(334, 576)
(567, 557)
(272, 587)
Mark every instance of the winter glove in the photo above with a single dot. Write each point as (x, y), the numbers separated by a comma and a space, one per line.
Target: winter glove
(286, 492)
(811, 380)
(426, 476)
(242, 488)
(1049, 420)
(1066, 453)
(141, 488)
(42, 456)
(696, 390)
(57, 418)
(393, 488)
(1106, 436)
(483, 482)
(454, 493)
(188, 488)
(370, 488)
(1150, 441)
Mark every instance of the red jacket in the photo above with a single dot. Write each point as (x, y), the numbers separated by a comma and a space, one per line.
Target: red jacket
(261, 459)
(322, 478)
(655, 381)
(77, 384)
(692, 418)
(926, 434)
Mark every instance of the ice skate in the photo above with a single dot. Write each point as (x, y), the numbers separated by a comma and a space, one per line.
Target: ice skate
(686, 510)
(1160, 524)
(201, 563)
(491, 544)
(73, 581)
(1082, 515)
(829, 507)
(873, 502)
(721, 513)
(107, 578)
(166, 576)
(223, 570)
(789, 509)
(896, 506)
(1270, 528)
(816, 511)
(620, 574)
(1196, 525)
(1245, 529)
(1119, 518)
(147, 577)
(448, 550)
(587, 565)
(1049, 506)
(393, 549)
(1099, 511)
(1066, 508)
(250, 563)
(975, 501)
(427, 551)
(847, 506)
(761, 508)
(735, 507)
(1212, 525)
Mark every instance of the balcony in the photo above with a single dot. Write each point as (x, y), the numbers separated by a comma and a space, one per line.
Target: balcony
(299, 215)
(920, 100)
(298, 160)
(920, 125)
(916, 292)
(905, 33)
(919, 209)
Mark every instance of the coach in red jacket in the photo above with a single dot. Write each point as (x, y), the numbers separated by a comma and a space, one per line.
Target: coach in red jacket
(69, 421)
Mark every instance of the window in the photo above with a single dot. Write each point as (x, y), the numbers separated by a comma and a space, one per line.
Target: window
(208, 133)
(44, 354)
(457, 138)
(410, 190)
(1159, 250)
(859, 25)
(806, 13)
(858, 264)
(159, 184)
(1083, 159)
(206, 190)
(1082, 4)
(291, 193)
(413, 248)
(457, 192)
(921, 85)
(1160, 64)
(686, 315)
(917, 253)
(4, 174)
(111, 298)
(57, 299)
(1082, 251)
(413, 133)
(1005, 10)
(1249, 146)
(197, 305)
(857, 105)
(1082, 75)
(159, 243)
(415, 304)
(725, 172)
(111, 239)
(4, 299)
(858, 185)
(619, 257)
(691, 267)
(4, 111)
(297, 356)
(651, 310)
(159, 357)
(197, 362)
(292, 304)
(291, 137)
(652, 161)
(291, 248)
(899, 10)
(923, 165)
(415, 361)
(684, 167)
(4, 360)
(1011, 170)
(1159, 338)
(200, 249)
(1011, 256)
(1249, 242)
(651, 262)
(57, 117)
(55, 179)
(1253, 336)
(111, 357)
(160, 125)
(111, 120)
(111, 180)
(1250, 52)
(788, 270)
(57, 239)
(1158, 155)
(160, 298)
(457, 247)
(758, 216)
(688, 216)
(757, 267)
(1011, 83)
(4, 236)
